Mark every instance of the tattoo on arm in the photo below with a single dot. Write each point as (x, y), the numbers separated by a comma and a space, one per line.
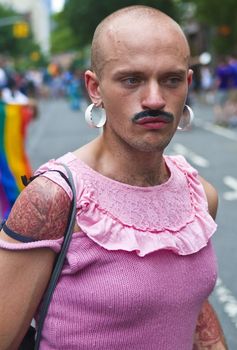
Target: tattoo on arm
(41, 211)
(208, 334)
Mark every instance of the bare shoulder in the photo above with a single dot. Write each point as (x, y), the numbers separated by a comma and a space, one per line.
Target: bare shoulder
(212, 196)
(41, 210)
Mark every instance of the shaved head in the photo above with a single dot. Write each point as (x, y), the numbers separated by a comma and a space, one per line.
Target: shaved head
(133, 21)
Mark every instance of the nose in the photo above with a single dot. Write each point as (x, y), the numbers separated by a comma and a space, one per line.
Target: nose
(153, 97)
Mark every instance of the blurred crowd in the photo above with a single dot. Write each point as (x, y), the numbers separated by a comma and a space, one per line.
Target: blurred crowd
(20, 93)
(226, 94)
(216, 85)
(48, 82)
(213, 83)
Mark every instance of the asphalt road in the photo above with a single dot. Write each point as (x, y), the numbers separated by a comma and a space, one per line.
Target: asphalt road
(212, 150)
(56, 131)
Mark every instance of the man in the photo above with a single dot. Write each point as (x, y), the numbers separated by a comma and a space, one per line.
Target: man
(140, 266)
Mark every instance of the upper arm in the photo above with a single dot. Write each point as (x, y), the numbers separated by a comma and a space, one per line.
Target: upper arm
(40, 212)
(212, 196)
(208, 333)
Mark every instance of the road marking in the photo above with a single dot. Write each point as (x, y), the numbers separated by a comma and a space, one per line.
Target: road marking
(193, 157)
(216, 129)
(232, 183)
(229, 302)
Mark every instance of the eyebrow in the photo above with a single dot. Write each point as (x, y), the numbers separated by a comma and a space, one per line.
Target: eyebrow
(127, 72)
(180, 72)
(176, 71)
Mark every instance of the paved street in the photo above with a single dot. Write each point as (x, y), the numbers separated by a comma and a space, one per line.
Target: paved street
(56, 131)
(212, 150)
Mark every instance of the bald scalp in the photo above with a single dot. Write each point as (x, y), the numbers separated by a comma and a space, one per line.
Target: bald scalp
(132, 15)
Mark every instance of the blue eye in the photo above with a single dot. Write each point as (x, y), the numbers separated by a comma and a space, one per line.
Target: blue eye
(173, 82)
(131, 81)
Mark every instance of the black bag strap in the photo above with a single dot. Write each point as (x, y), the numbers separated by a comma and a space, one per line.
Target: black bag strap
(60, 260)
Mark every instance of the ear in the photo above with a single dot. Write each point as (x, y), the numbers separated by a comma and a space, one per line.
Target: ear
(190, 77)
(92, 85)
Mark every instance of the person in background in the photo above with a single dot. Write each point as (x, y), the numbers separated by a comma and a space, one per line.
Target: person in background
(11, 94)
(74, 90)
(222, 85)
(141, 265)
(3, 73)
(231, 103)
(207, 84)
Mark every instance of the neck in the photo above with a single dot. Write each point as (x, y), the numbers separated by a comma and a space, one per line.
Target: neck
(135, 168)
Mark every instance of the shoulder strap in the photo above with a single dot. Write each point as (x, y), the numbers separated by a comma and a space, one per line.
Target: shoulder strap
(25, 180)
(60, 260)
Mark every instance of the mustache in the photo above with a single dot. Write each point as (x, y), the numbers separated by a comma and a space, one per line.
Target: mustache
(166, 116)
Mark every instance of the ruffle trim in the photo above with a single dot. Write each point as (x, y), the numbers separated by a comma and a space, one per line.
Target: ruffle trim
(112, 235)
(108, 232)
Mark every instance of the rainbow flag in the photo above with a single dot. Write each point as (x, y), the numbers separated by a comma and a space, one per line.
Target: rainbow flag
(14, 163)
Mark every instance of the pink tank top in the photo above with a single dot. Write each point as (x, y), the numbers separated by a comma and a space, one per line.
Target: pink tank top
(140, 267)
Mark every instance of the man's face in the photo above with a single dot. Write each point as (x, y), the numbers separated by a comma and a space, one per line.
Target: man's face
(144, 71)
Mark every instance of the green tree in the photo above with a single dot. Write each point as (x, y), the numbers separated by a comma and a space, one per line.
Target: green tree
(221, 17)
(8, 44)
(62, 36)
(19, 48)
(83, 16)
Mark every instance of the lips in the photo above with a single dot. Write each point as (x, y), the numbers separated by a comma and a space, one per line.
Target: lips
(152, 116)
(152, 123)
(151, 120)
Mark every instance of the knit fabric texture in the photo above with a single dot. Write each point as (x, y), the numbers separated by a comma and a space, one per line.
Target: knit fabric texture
(139, 269)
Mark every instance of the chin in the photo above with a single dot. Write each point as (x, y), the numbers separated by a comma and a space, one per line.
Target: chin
(151, 147)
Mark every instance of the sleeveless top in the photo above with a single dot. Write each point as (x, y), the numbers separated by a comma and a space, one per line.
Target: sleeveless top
(140, 267)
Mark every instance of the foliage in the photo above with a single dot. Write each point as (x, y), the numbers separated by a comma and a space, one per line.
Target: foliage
(17, 48)
(218, 21)
(8, 43)
(221, 17)
(62, 37)
(83, 16)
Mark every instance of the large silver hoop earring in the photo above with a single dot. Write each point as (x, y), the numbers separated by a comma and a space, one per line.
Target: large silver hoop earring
(95, 116)
(186, 119)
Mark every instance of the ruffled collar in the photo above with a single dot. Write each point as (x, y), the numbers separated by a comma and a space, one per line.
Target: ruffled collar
(118, 216)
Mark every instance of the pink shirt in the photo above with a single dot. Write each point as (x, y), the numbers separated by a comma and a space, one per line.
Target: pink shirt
(140, 267)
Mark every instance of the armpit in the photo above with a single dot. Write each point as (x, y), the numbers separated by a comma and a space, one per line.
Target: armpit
(41, 211)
